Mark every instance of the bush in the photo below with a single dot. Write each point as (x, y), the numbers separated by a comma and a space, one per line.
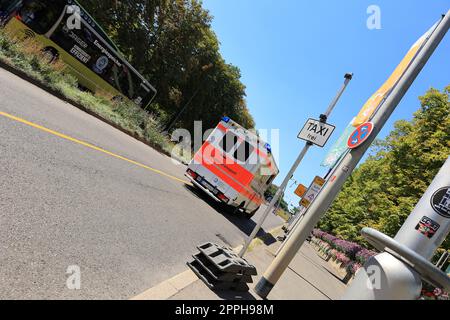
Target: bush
(352, 255)
(347, 247)
(353, 267)
(343, 258)
(364, 255)
(27, 56)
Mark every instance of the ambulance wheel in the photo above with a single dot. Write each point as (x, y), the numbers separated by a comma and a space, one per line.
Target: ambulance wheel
(250, 215)
(238, 208)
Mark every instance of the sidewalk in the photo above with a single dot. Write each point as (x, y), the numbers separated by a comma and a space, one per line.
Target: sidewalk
(309, 277)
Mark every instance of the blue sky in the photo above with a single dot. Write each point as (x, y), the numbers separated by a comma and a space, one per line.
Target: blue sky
(293, 55)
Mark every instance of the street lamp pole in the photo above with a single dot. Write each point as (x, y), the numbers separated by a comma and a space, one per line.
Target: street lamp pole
(347, 165)
(323, 117)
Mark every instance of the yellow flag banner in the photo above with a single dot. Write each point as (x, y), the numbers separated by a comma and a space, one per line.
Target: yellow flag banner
(374, 102)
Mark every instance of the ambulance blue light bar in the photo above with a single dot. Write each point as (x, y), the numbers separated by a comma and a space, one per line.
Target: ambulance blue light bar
(226, 119)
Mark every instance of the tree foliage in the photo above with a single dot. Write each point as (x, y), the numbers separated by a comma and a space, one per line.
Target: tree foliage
(384, 190)
(172, 44)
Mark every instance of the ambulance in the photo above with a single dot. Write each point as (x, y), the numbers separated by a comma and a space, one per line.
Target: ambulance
(235, 167)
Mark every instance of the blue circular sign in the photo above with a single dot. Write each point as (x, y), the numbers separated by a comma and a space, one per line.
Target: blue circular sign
(360, 135)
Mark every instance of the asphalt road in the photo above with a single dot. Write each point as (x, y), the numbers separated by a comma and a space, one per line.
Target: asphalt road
(63, 204)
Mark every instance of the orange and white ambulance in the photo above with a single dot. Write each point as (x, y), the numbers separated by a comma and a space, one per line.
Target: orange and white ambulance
(234, 167)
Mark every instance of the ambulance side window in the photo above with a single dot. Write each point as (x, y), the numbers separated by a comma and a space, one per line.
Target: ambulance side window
(244, 151)
(228, 142)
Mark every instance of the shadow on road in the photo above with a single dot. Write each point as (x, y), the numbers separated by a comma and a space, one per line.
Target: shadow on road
(238, 219)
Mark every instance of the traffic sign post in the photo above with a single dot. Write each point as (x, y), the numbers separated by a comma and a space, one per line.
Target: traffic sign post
(312, 192)
(360, 135)
(320, 133)
(348, 163)
(316, 132)
(301, 190)
(309, 196)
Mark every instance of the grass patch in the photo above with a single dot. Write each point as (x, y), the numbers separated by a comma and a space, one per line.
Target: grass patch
(27, 56)
(259, 241)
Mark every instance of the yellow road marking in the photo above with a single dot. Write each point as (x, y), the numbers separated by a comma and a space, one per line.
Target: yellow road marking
(88, 145)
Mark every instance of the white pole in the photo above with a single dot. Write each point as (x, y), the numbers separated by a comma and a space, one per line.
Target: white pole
(279, 193)
(341, 172)
(397, 280)
(274, 201)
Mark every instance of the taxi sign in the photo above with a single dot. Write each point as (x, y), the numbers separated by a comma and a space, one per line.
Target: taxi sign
(316, 132)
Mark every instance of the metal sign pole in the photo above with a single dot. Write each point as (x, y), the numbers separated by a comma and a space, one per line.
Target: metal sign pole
(431, 215)
(348, 164)
(274, 201)
(299, 216)
(443, 260)
(279, 193)
(294, 225)
(388, 274)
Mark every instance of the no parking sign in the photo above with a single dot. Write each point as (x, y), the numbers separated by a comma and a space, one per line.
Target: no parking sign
(360, 135)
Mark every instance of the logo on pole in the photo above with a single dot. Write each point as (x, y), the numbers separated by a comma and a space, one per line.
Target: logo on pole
(427, 227)
(360, 135)
(440, 201)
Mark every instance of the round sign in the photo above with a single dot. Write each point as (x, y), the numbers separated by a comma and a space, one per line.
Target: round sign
(101, 64)
(360, 135)
(440, 201)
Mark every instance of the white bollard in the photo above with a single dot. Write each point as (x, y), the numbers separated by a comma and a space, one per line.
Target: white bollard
(388, 276)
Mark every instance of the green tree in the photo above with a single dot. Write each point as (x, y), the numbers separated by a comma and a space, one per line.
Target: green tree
(383, 191)
(172, 44)
(270, 192)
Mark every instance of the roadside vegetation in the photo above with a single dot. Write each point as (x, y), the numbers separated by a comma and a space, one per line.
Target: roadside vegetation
(27, 57)
(172, 44)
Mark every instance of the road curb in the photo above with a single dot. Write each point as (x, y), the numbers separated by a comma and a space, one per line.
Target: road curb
(169, 288)
(24, 76)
